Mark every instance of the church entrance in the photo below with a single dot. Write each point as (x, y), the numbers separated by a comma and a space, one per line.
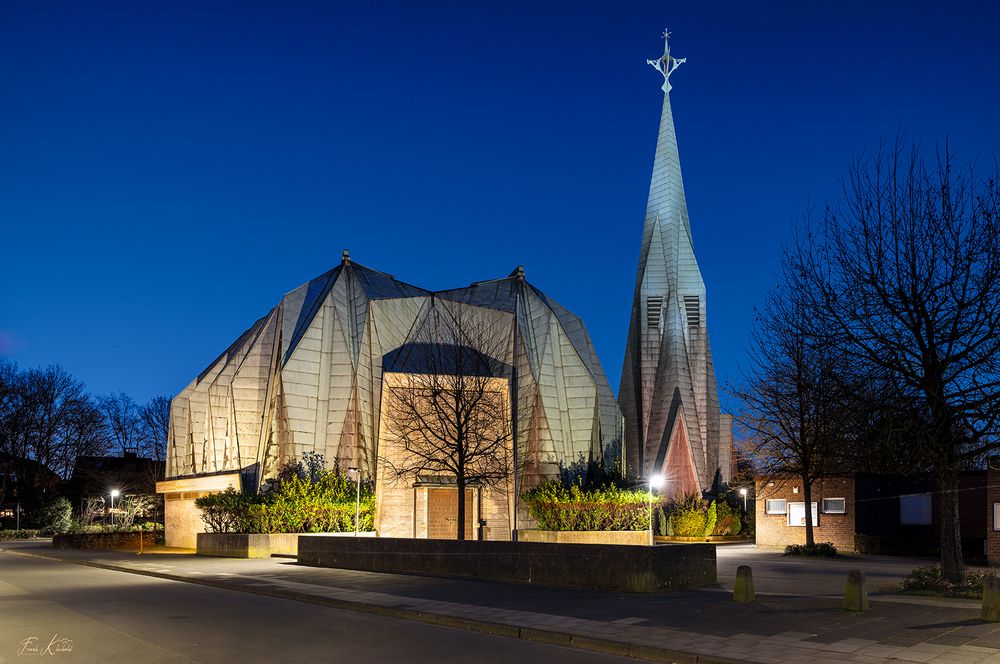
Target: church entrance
(442, 512)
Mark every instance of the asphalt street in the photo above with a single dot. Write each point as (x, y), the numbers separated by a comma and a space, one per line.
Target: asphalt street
(816, 577)
(71, 613)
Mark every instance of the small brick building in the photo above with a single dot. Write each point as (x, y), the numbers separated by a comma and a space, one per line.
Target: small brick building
(780, 512)
(882, 514)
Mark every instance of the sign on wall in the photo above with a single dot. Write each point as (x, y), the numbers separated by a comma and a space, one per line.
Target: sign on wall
(797, 514)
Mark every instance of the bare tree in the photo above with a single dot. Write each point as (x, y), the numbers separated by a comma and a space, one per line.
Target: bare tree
(124, 421)
(794, 410)
(156, 427)
(47, 420)
(908, 271)
(450, 412)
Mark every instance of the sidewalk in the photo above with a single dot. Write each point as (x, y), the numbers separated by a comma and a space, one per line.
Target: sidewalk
(694, 626)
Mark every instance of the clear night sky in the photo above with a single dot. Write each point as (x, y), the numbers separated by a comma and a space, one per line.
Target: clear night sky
(168, 170)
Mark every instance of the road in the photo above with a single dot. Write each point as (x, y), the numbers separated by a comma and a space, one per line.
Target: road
(112, 616)
(778, 574)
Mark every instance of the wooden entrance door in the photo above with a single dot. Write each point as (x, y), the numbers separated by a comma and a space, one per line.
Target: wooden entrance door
(442, 513)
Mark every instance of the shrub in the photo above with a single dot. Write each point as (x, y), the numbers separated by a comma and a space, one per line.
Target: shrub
(51, 516)
(820, 549)
(7, 535)
(310, 501)
(558, 507)
(689, 523)
(662, 523)
(711, 517)
(728, 520)
(928, 581)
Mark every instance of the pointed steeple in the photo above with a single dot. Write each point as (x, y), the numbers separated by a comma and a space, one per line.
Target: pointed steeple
(666, 188)
(668, 393)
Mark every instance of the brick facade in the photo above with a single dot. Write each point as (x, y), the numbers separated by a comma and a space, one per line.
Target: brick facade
(992, 498)
(773, 529)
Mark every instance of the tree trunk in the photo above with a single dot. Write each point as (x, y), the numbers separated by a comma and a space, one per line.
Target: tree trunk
(807, 496)
(952, 563)
(460, 483)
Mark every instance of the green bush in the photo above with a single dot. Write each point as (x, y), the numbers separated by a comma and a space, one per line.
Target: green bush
(928, 581)
(689, 523)
(820, 549)
(7, 535)
(728, 521)
(315, 501)
(711, 517)
(662, 522)
(51, 516)
(558, 507)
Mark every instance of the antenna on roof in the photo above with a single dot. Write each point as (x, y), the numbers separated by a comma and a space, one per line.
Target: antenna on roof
(346, 257)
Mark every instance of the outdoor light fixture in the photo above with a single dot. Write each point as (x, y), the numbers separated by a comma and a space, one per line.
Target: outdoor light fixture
(655, 482)
(357, 498)
(114, 494)
(743, 492)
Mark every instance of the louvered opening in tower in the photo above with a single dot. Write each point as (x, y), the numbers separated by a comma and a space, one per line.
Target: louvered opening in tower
(692, 307)
(654, 308)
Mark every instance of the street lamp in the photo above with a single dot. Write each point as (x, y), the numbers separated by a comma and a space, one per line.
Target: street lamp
(357, 497)
(655, 482)
(114, 494)
(743, 492)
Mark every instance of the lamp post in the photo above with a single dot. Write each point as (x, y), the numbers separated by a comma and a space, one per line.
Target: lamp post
(357, 497)
(655, 482)
(743, 492)
(114, 494)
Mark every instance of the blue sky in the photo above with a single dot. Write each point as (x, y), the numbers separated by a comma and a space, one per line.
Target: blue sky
(169, 170)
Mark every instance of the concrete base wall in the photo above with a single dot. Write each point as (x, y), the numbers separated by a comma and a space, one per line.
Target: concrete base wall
(234, 545)
(595, 566)
(627, 537)
(121, 541)
(287, 544)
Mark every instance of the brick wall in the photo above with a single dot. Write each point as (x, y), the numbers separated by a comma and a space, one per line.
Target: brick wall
(992, 496)
(773, 529)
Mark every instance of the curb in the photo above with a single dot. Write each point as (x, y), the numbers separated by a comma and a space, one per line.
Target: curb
(564, 639)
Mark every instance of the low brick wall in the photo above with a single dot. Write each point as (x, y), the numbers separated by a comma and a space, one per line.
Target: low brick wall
(595, 566)
(630, 537)
(234, 545)
(123, 541)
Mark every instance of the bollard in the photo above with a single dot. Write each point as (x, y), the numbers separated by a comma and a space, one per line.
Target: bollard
(991, 599)
(743, 590)
(856, 594)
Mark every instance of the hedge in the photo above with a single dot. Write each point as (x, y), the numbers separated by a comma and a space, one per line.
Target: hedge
(558, 507)
(321, 502)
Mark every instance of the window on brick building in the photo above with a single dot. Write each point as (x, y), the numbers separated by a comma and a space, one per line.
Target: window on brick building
(777, 506)
(834, 505)
(915, 510)
(996, 516)
(797, 514)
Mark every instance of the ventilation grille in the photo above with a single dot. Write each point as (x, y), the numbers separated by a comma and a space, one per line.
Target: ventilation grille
(654, 307)
(692, 306)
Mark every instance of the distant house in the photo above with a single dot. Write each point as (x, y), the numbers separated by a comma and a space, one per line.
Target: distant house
(21, 482)
(97, 476)
(872, 513)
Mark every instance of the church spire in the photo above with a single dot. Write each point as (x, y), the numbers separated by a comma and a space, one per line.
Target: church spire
(668, 393)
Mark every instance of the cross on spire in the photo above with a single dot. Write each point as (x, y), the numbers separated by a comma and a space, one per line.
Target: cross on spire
(667, 64)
